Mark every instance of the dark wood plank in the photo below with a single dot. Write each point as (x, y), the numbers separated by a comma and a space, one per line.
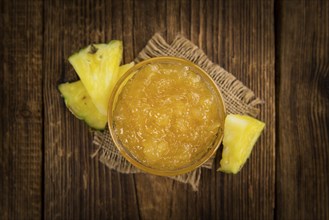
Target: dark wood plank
(21, 109)
(202, 205)
(76, 185)
(247, 50)
(162, 198)
(154, 193)
(303, 110)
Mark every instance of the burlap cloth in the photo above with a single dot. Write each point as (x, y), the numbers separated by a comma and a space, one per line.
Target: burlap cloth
(237, 97)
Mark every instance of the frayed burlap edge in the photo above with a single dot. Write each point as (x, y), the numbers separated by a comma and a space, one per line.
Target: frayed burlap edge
(238, 99)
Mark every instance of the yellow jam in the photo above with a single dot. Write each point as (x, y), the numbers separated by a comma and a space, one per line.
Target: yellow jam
(167, 116)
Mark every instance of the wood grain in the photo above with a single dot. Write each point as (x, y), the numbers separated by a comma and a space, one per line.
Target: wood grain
(277, 48)
(21, 110)
(303, 110)
(247, 50)
(77, 186)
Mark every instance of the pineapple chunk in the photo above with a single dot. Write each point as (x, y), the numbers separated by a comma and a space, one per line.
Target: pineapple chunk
(240, 135)
(80, 104)
(124, 68)
(98, 68)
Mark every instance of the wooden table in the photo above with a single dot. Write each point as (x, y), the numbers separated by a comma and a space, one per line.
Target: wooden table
(278, 48)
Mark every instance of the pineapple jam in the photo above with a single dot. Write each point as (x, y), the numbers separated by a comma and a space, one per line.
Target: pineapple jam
(167, 116)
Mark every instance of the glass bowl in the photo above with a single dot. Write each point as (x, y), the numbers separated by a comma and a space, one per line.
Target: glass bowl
(207, 151)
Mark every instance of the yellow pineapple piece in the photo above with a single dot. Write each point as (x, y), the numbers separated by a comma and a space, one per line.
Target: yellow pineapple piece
(80, 104)
(124, 68)
(240, 135)
(98, 68)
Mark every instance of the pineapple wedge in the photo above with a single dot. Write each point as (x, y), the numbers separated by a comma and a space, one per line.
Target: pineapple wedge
(98, 68)
(240, 135)
(80, 104)
(124, 68)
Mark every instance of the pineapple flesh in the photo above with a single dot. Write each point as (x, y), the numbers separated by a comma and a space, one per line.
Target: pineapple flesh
(80, 104)
(98, 68)
(240, 135)
(124, 68)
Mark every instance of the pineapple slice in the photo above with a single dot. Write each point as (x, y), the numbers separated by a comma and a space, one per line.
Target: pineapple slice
(98, 68)
(124, 68)
(80, 104)
(240, 135)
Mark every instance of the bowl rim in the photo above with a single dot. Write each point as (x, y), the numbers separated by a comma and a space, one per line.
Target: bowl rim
(216, 143)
